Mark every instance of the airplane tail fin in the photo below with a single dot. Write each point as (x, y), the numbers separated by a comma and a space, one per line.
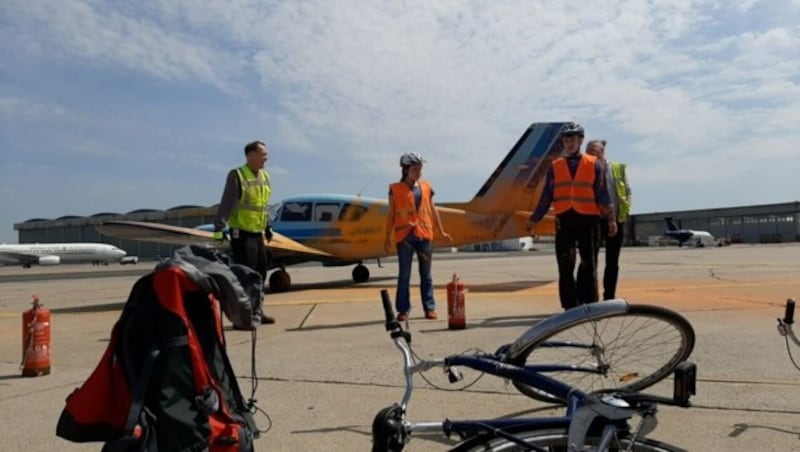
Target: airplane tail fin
(670, 224)
(517, 182)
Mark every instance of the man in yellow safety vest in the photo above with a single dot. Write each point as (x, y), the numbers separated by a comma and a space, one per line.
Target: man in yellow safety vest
(243, 208)
(620, 192)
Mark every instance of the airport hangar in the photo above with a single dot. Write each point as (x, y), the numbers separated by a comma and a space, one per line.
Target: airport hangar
(766, 223)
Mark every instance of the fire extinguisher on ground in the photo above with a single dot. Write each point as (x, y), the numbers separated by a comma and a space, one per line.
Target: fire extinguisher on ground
(456, 306)
(35, 340)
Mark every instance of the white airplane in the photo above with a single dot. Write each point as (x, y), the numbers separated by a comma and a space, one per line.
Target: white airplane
(689, 237)
(59, 253)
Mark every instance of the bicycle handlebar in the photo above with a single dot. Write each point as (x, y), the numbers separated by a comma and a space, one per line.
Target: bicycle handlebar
(391, 323)
(788, 316)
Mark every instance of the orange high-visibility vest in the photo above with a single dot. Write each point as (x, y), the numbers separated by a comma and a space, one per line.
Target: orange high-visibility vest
(575, 193)
(407, 217)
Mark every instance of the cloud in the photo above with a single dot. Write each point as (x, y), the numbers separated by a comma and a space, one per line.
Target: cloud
(111, 34)
(15, 107)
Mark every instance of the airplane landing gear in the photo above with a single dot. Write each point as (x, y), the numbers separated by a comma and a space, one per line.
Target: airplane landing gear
(360, 274)
(280, 281)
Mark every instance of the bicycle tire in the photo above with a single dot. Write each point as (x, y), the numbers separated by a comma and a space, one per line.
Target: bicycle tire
(641, 373)
(553, 440)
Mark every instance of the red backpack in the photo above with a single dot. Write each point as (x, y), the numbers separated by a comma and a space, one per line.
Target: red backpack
(164, 382)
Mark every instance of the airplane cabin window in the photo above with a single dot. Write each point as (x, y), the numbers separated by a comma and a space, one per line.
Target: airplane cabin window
(352, 212)
(296, 211)
(325, 212)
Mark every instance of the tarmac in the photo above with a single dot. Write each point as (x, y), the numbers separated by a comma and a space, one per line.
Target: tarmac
(327, 366)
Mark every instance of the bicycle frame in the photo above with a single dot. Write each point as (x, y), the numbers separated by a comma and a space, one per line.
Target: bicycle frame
(392, 422)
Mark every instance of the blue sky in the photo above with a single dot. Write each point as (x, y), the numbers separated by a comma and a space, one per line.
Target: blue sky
(117, 105)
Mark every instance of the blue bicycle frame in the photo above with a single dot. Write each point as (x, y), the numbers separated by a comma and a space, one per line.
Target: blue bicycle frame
(616, 409)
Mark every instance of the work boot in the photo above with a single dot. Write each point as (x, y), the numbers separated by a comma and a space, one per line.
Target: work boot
(267, 320)
(431, 315)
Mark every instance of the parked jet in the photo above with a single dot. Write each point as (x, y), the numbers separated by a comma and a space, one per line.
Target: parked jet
(688, 236)
(339, 230)
(59, 253)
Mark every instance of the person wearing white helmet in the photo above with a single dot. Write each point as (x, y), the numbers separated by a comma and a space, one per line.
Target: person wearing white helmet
(411, 224)
(576, 188)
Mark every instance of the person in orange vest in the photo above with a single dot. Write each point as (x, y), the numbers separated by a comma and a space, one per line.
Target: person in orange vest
(576, 188)
(410, 227)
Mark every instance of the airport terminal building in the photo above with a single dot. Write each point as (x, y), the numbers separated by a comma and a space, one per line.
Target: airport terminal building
(767, 223)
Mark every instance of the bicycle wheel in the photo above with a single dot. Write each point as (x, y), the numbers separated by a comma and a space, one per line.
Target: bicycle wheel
(554, 440)
(632, 350)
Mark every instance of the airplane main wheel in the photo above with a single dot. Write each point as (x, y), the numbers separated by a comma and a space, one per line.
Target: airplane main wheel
(280, 281)
(360, 274)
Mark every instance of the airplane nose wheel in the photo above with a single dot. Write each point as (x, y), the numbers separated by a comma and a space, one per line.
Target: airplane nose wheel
(280, 281)
(360, 274)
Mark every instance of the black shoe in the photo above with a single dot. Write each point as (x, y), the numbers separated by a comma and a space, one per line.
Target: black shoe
(267, 320)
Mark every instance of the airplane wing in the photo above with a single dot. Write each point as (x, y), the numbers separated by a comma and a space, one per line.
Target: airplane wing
(22, 258)
(280, 245)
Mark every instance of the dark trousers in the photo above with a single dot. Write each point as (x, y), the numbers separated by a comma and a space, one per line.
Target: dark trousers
(613, 247)
(574, 229)
(248, 249)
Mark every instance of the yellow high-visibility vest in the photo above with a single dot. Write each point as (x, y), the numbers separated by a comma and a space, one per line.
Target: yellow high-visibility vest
(250, 213)
(621, 187)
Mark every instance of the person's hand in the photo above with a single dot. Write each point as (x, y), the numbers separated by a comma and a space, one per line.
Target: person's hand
(530, 228)
(612, 228)
(447, 236)
(268, 233)
(220, 236)
(387, 244)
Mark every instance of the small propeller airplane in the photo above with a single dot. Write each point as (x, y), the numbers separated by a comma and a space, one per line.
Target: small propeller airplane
(341, 230)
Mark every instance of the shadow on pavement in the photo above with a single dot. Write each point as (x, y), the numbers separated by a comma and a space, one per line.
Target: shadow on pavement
(738, 429)
(117, 306)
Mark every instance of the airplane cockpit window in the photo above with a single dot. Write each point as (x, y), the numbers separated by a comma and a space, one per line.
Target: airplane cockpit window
(296, 211)
(325, 212)
(274, 212)
(352, 212)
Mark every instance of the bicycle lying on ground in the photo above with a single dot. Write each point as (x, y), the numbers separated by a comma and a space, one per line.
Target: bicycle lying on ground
(600, 402)
(785, 329)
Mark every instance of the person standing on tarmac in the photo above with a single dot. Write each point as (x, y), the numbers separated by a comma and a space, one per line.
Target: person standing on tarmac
(243, 207)
(410, 225)
(576, 188)
(620, 192)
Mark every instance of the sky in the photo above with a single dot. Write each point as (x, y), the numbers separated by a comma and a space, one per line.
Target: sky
(112, 106)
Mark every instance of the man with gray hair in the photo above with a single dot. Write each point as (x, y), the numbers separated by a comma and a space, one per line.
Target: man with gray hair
(620, 192)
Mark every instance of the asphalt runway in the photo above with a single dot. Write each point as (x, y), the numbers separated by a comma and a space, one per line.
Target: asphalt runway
(327, 366)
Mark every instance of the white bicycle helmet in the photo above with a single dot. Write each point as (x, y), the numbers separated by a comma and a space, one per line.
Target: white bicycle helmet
(572, 128)
(411, 158)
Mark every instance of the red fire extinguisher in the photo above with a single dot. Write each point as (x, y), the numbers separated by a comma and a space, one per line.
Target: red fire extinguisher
(36, 340)
(456, 307)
